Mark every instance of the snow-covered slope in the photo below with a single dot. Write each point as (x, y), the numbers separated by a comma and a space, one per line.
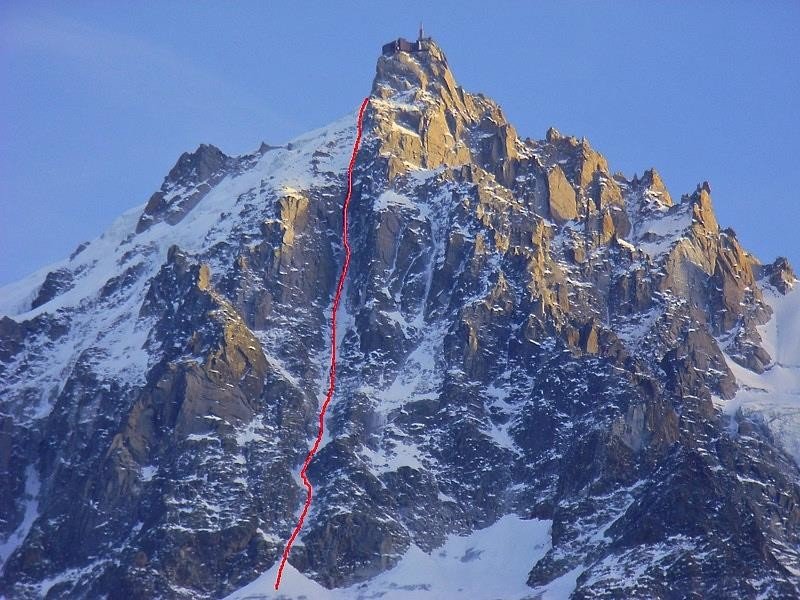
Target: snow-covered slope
(475, 567)
(98, 318)
(774, 395)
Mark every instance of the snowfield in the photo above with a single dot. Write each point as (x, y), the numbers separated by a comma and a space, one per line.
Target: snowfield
(774, 395)
(490, 563)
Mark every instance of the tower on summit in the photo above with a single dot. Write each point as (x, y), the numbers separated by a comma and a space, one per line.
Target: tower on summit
(403, 45)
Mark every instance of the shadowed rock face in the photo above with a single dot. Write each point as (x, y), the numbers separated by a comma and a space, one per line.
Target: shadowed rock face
(187, 183)
(522, 331)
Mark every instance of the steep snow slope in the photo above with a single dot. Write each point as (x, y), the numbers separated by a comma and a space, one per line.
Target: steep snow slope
(774, 395)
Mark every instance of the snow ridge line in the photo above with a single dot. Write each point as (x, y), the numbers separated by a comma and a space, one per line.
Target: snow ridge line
(332, 370)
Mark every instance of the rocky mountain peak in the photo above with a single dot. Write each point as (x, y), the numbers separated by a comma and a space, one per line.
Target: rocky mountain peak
(652, 183)
(198, 165)
(420, 116)
(193, 175)
(702, 207)
(779, 274)
(524, 340)
(419, 65)
(552, 135)
(576, 157)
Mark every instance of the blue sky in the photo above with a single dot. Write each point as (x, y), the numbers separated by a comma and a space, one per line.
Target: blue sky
(98, 99)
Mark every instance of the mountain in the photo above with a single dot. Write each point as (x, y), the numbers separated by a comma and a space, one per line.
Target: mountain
(553, 380)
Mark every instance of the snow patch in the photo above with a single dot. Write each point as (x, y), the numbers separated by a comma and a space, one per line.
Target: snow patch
(391, 198)
(31, 500)
(149, 472)
(561, 587)
(660, 230)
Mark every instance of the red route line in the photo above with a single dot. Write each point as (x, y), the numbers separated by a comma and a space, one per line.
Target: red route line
(332, 371)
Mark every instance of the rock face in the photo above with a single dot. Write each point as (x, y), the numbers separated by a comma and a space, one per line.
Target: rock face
(523, 332)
